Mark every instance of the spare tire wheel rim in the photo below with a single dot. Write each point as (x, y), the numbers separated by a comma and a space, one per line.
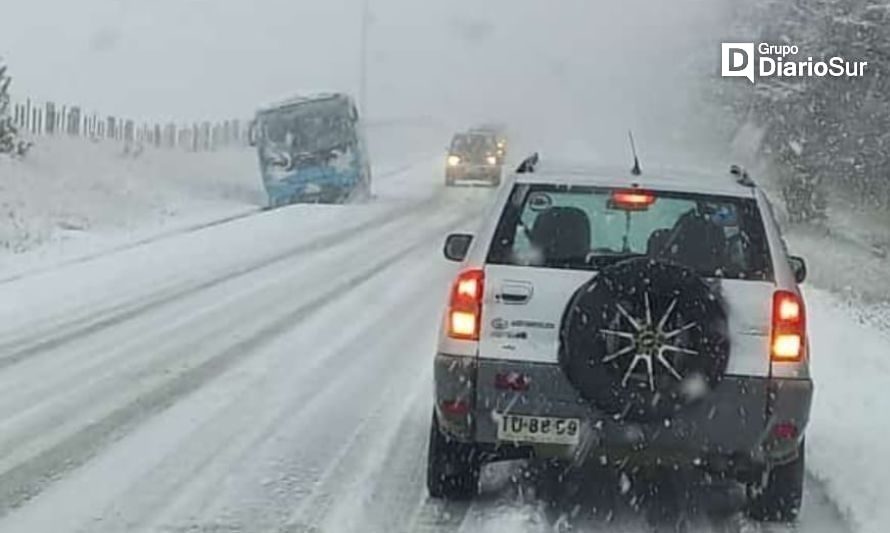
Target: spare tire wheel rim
(644, 338)
(650, 342)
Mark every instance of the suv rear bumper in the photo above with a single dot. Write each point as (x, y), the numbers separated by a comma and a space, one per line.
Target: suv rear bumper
(745, 423)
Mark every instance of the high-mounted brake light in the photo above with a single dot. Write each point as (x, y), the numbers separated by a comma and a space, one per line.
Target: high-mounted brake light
(465, 307)
(633, 200)
(789, 328)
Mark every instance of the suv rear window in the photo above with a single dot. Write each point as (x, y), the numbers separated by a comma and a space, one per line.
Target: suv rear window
(588, 228)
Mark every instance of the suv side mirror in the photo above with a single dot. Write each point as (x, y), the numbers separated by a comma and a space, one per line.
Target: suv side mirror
(457, 245)
(799, 267)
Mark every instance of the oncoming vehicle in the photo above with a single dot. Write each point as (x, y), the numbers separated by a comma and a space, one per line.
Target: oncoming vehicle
(312, 149)
(644, 321)
(473, 157)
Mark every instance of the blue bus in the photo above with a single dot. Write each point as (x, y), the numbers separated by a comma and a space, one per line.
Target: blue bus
(312, 149)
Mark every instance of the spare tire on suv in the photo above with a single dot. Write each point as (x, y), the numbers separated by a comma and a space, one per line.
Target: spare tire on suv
(643, 339)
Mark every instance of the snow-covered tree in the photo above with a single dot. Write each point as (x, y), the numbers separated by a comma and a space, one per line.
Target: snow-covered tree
(823, 132)
(8, 131)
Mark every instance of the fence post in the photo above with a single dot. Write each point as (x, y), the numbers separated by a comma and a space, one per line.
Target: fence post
(205, 133)
(129, 131)
(50, 118)
(214, 136)
(170, 136)
(74, 121)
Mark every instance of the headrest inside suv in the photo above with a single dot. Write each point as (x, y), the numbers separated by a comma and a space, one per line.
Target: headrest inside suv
(561, 234)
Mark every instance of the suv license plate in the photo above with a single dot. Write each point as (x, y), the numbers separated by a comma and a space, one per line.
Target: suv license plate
(539, 429)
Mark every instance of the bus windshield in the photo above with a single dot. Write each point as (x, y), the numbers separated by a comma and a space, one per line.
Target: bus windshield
(311, 127)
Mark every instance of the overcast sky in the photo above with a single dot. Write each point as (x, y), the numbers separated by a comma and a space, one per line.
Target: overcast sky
(557, 65)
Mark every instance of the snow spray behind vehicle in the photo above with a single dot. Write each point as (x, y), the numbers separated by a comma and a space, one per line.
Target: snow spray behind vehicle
(312, 149)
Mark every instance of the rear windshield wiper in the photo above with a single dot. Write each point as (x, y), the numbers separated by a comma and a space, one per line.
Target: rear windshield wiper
(601, 260)
(589, 262)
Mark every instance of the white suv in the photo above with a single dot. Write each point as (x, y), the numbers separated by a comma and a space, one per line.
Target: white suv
(645, 319)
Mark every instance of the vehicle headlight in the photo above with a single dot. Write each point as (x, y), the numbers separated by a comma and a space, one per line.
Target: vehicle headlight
(492, 160)
(453, 160)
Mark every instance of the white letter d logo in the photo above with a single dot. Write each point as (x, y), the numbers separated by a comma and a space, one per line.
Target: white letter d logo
(738, 60)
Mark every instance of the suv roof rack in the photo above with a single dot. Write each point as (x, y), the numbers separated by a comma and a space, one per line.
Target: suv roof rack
(529, 164)
(741, 176)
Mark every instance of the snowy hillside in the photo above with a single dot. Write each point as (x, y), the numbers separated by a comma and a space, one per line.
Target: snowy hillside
(71, 190)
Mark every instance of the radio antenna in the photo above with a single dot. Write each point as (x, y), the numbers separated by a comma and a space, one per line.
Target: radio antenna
(636, 170)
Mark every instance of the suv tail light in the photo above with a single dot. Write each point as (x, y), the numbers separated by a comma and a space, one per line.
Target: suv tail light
(789, 328)
(465, 307)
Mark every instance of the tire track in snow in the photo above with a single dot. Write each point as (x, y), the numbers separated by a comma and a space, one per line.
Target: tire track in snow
(84, 379)
(169, 397)
(83, 326)
(338, 493)
(28, 479)
(329, 373)
(355, 375)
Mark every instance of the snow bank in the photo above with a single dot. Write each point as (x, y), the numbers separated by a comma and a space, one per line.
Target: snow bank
(848, 297)
(70, 190)
(850, 429)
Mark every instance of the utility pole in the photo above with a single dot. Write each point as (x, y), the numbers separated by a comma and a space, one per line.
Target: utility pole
(363, 80)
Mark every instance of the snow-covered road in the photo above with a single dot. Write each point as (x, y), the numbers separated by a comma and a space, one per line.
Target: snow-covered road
(272, 373)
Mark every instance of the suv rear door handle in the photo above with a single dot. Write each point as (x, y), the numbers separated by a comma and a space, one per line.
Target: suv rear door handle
(515, 292)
